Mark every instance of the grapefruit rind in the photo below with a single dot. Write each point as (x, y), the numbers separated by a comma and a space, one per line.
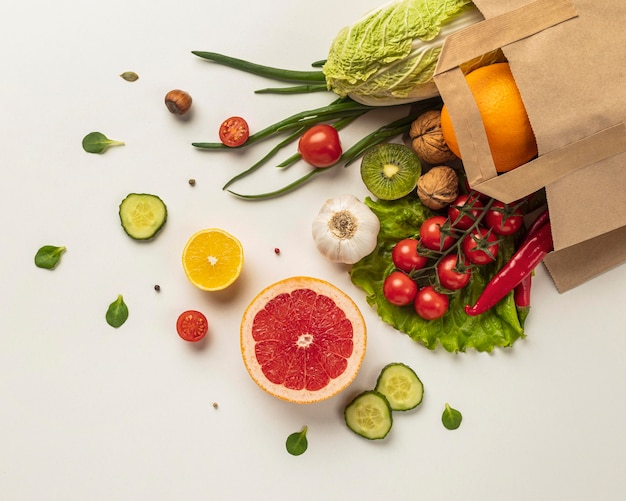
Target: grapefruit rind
(343, 301)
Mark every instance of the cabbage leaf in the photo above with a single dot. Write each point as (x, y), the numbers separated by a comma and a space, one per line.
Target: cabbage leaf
(389, 56)
(501, 326)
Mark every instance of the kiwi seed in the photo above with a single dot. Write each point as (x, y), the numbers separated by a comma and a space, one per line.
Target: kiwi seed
(390, 170)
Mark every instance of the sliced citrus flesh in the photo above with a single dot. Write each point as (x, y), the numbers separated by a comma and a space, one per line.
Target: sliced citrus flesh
(212, 259)
(302, 339)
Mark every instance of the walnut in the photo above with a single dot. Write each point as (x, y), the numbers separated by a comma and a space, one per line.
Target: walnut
(427, 138)
(438, 187)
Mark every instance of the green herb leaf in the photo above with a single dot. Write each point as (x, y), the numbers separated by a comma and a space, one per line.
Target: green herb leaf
(48, 256)
(451, 418)
(297, 443)
(97, 142)
(117, 313)
(130, 76)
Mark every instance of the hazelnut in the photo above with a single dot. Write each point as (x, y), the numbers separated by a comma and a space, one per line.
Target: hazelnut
(178, 101)
(438, 187)
(427, 138)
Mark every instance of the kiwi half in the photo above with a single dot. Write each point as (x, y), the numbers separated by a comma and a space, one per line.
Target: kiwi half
(390, 170)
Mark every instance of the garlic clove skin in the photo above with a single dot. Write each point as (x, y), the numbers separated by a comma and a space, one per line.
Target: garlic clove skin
(345, 230)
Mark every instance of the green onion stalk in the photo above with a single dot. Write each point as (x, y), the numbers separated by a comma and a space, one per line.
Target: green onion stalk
(339, 113)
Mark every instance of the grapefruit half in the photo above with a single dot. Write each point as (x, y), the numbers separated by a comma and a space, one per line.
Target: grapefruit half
(302, 339)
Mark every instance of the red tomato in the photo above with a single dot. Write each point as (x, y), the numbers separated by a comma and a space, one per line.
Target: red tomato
(449, 275)
(320, 146)
(504, 219)
(430, 304)
(192, 325)
(431, 235)
(234, 131)
(480, 246)
(399, 288)
(405, 256)
(464, 211)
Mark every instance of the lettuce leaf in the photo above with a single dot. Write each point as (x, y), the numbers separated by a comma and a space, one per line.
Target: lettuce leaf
(455, 331)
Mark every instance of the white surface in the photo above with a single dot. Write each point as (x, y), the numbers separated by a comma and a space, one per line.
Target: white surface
(90, 412)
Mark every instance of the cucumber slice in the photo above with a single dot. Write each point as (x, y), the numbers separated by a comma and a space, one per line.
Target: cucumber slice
(369, 415)
(399, 383)
(142, 215)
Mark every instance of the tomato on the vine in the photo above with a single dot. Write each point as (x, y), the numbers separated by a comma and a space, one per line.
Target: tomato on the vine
(320, 146)
(480, 246)
(234, 132)
(399, 288)
(406, 257)
(430, 304)
(431, 234)
(192, 325)
(450, 275)
(464, 211)
(504, 219)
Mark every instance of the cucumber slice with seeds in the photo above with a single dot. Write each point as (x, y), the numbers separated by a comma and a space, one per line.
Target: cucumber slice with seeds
(142, 215)
(369, 415)
(399, 383)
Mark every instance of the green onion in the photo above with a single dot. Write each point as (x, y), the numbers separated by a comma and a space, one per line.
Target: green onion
(337, 109)
(298, 182)
(264, 71)
(339, 113)
(298, 89)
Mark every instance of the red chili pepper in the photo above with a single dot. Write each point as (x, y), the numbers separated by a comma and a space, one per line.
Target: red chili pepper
(523, 262)
(540, 220)
(521, 293)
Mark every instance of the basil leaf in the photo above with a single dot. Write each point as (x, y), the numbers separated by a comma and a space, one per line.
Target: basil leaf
(451, 418)
(297, 443)
(97, 142)
(117, 313)
(48, 256)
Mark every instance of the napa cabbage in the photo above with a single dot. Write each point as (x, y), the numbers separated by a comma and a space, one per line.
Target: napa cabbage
(389, 55)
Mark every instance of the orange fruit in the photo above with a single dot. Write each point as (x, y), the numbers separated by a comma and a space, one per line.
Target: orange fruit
(302, 340)
(510, 135)
(212, 259)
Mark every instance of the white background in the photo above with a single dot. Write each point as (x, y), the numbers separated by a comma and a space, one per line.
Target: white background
(92, 412)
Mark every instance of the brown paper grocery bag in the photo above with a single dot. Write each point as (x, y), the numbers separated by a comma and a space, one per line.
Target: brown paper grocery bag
(568, 58)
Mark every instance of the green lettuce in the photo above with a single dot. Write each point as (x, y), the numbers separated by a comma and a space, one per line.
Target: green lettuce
(455, 331)
(389, 55)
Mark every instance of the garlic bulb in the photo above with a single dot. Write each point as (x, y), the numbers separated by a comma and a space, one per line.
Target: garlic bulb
(345, 230)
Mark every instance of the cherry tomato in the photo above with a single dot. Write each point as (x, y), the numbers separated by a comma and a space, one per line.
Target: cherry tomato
(464, 211)
(399, 288)
(234, 131)
(405, 256)
(431, 235)
(449, 275)
(480, 246)
(192, 325)
(504, 219)
(430, 304)
(320, 146)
